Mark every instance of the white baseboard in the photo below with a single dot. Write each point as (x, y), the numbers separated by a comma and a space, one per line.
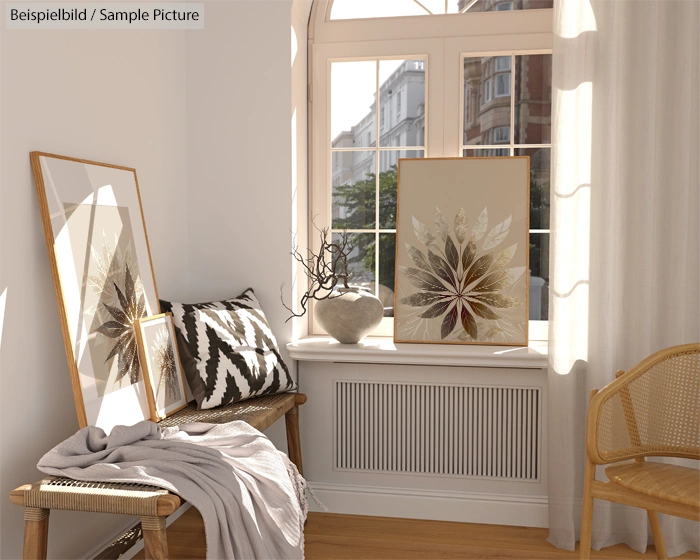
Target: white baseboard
(411, 503)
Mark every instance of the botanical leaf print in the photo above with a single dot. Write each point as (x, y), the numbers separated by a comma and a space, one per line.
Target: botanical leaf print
(422, 280)
(461, 225)
(480, 226)
(423, 233)
(164, 361)
(436, 310)
(459, 285)
(418, 258)
(449, 322)
(120, 328)
(505, 256)
(497, 234)
(441, 224)
(451, 252)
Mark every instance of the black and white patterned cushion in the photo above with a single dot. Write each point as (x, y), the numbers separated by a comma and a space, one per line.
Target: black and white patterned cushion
(228, 351)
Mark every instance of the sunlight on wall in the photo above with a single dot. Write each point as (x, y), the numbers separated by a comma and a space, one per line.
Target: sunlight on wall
(3, 299)
(295, 45)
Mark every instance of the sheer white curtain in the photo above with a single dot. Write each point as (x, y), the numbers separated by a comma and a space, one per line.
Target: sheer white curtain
(625, 254)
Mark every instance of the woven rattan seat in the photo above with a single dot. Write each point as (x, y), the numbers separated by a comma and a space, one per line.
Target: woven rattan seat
(651, 410)
(667, 482)
(152, 504)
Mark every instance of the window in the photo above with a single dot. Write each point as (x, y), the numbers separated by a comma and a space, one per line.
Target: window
(487, 91)
(396, 81)
(502, 82)
(502, 63)
(526, 112)
(504, 6)
(501, 135)
(362, 9)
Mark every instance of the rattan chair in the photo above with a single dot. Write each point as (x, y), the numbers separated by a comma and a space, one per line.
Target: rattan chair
(152, 504)
(652, 410)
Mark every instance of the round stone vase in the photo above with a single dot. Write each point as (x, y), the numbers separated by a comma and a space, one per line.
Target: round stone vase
(350, 314)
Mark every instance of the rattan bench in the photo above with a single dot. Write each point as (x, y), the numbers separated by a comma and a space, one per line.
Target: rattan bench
(152, 504)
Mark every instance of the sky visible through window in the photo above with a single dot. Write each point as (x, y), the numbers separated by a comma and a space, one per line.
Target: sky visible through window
(353, 91)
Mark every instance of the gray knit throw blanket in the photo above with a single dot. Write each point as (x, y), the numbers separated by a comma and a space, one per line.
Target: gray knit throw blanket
(250, 495)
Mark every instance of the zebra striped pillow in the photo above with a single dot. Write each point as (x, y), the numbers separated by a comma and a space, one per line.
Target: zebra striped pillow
(228, 351)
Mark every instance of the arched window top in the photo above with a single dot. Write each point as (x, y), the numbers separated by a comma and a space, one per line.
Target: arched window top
(363, 9)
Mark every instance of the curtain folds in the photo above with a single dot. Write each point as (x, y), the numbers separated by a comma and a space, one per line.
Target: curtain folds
(625, 242)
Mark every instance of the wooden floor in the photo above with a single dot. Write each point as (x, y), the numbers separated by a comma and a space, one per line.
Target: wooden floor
(333, 536)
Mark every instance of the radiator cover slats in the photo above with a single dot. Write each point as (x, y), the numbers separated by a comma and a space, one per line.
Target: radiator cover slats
(456, 430)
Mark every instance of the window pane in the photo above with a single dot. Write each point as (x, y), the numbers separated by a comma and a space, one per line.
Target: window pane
(354, 190)
(388, 175)
(456, 6)
(402, 102)
(486, 99)
(353, 91)
(387, 259)
(533, 99)
(360, 262)
(497, 152)
(539, 185)
(359, 9)
(539, 276)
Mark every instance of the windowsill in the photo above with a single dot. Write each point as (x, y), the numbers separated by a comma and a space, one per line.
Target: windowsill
(382, 350)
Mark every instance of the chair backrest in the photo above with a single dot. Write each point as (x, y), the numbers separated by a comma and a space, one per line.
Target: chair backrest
(652, 409)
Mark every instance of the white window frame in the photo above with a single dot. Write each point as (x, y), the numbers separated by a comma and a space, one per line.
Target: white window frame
(441, 42)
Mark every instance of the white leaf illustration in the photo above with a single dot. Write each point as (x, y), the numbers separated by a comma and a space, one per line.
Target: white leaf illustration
(461, 225)
(480, 226)
(505, 256)
(491, 333)
(514, 274)
(441, 224)
(423, 232)
(497, 234)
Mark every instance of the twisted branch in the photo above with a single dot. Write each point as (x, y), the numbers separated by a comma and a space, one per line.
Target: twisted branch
(324, 270)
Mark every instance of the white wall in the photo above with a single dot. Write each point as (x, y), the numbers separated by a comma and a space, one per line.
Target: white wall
(118, 97)
(240, 158)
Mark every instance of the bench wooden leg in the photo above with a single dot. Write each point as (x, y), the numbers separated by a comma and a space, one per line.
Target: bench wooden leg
(155, 538)
(36, 533)
(291, 420)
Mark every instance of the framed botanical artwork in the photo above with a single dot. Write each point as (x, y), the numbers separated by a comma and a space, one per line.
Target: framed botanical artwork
(101, 266)
(160, 363)
(462, 251)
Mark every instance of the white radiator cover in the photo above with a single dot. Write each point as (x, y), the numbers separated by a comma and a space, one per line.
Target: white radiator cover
(352, 459)
(475, 431)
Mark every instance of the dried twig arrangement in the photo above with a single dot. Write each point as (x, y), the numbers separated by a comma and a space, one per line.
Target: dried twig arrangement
(324, 270)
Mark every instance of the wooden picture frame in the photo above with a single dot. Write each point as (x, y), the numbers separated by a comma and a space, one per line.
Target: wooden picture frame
(462, 251)
(160, 361)
(103, 277)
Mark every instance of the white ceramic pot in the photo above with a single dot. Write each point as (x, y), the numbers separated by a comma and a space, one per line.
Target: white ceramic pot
(350, 314)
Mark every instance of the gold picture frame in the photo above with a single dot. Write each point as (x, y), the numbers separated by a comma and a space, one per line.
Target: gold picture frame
(160, 360)
(459, 278)
(103, 277)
